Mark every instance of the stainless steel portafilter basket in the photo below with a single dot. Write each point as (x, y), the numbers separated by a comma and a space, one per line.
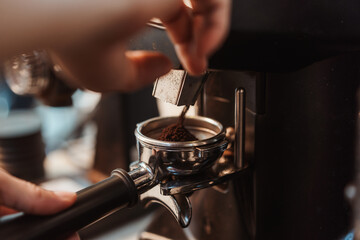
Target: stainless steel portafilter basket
(181, 158)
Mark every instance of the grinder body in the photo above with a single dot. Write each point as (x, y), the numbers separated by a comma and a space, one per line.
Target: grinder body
(300, 75)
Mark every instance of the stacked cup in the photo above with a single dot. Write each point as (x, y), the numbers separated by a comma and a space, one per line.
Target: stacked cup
(22, 150)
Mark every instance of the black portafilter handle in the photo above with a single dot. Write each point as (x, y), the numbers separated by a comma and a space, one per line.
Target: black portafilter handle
(116, 192)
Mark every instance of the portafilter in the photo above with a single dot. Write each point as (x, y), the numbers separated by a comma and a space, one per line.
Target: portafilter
(165, 173)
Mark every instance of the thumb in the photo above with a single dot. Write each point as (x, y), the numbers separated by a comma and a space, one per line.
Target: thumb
(27, 197)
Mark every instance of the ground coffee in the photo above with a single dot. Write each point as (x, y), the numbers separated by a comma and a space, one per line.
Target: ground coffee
(177, 132)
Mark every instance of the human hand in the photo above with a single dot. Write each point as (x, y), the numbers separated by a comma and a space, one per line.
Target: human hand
(19, 195)
(196, 34)
(88, 38)
(199, 31)
(103, 63)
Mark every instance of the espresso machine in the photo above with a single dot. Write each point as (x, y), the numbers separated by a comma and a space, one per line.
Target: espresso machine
(276, 115)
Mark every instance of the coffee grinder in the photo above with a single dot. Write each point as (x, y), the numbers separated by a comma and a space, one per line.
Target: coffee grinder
(284, 84)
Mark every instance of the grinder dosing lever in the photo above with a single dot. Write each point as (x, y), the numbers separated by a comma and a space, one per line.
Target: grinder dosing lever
(178, 87)
(165, 173)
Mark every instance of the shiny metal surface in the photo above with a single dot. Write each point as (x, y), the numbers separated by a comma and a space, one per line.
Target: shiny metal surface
(156, 23)
(178, 88)
(149, 190)
(142, 175)
(178, 205)
(28, 73)
(239, 127)
(207, 130)
(181, 158)
(166, 171)
(222, 170)
(33, 73)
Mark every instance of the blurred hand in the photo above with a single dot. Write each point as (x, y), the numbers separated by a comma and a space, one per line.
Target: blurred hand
(18, 195)
(101, 61)
(88, 38)
(199, 31)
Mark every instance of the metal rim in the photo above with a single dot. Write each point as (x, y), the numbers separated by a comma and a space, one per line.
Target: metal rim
(174, 145)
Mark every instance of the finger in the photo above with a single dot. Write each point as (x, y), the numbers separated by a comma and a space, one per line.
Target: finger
(213, 21)
(27, 197)
(75, 236)
(6, 211)
(179, 27)
(113, 69)
(144, 67)
(198, 35)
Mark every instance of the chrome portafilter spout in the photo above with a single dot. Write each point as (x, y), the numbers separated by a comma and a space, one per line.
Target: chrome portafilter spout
(165, 173)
